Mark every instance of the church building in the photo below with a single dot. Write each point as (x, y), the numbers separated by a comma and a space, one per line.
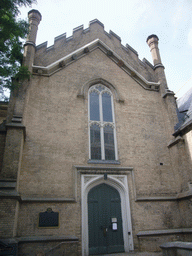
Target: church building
(93, 157)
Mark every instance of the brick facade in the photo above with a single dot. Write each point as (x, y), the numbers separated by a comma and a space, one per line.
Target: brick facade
(47, 145)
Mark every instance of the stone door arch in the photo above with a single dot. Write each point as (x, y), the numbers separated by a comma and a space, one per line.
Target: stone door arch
(118, 182)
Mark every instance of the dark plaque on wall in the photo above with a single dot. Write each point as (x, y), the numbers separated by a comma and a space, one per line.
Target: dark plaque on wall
(48, 219)
(8, 249)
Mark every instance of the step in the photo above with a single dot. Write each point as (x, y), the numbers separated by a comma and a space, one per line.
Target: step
(133, 254)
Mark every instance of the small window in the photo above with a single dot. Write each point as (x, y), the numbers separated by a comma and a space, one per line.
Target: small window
(101, 124)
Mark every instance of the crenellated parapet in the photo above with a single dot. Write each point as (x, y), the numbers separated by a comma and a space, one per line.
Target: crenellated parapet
(64, 45)
(86, 49)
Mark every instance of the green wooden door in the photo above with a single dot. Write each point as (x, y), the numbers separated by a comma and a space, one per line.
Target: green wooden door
(104, 206)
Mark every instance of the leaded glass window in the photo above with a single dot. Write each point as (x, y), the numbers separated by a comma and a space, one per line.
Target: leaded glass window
(101, 124)
(94, 106)
(107, 109)
(109, 143)
(95, 141)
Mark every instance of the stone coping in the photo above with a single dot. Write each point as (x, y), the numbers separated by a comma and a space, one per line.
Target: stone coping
(11, 193)
(156, 198)
(108, 168)
(179, 196)
(168, 92)
(41, 199)
(186, 194)
(103, 161)
(175, 141)
(164, 232)
(177, 244)
(7, 184)
(79, 53)
(32, 239)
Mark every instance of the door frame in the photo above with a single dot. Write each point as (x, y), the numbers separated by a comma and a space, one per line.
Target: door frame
(119, 182)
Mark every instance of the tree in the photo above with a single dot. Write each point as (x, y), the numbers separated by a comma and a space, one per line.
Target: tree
(12, 31)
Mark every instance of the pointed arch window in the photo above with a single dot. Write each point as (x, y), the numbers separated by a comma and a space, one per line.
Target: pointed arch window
(102, 134)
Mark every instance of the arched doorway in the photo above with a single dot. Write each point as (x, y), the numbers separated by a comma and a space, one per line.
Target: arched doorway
(120, 186)
(105, 220)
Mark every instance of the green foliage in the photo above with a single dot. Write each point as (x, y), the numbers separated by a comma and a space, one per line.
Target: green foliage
(12, 31)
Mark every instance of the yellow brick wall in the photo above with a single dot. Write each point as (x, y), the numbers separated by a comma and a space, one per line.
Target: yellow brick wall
(56, 122)
(57, 130)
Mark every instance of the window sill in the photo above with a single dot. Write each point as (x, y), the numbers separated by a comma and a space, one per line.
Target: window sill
(103, 161)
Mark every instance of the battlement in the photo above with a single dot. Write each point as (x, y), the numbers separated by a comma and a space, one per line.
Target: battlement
(79, 31)
(64, 45)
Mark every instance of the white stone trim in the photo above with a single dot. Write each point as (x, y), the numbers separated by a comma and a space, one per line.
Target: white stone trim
(119, 182)
(97, 44)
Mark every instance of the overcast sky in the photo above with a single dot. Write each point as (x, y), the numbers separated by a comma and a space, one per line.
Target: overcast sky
(133, 21)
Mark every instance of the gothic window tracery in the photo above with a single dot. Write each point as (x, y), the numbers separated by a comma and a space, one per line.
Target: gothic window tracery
(102, 135)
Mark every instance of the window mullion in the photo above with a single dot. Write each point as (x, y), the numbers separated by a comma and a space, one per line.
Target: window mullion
(114, 129)
(102, 143)
(100, 108)
(101, 129)
(115, 143)
(89, 142)
(89, 125)
(112, 107)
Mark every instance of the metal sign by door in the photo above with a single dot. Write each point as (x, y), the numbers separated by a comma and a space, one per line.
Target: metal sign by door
(104, 220)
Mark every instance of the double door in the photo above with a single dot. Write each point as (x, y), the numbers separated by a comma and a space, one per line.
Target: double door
(105, 220)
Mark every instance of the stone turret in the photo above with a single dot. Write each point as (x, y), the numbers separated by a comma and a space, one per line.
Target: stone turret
(28, 59)
(29, 47)
(168, 95)
(152, 42)
(15, 135)
(12, 156)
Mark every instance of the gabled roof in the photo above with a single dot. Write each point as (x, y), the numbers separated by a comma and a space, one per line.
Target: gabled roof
(184, 105)
(86, 49)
